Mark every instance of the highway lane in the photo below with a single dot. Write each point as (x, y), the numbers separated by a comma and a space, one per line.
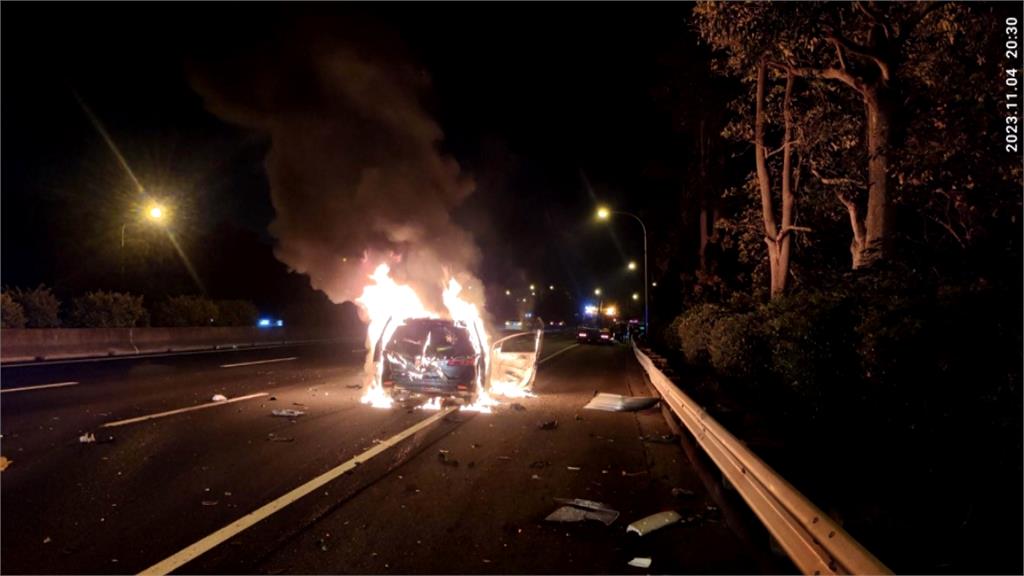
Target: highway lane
(163, 484)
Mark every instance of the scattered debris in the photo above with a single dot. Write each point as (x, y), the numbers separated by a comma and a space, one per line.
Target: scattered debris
(209, 502)
(640, 562)
(573, 468)
(474, 445)
(638, 473)
(579, 418)
(577, 510)
(47, 540)
(539, 464)
(518, 407)
(619, 403)
(662, 439)
(683, 493)
(275, 438)
(4, 463)
(219, 398)
(288, 413)
(645, 526)
(442, 455)
(534, 477)
(548, 425)
(88, 438)
(505, 458)
(299, 404)
(353, 386)
(273, 398)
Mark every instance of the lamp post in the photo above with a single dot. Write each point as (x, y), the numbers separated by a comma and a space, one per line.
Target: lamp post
(154, 213)
(604, 213)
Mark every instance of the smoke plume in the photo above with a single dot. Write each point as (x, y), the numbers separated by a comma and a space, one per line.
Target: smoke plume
(354, 166)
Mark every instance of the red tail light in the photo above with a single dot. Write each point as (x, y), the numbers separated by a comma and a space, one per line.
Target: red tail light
(388, 383)
(462, 387)
(461, 361)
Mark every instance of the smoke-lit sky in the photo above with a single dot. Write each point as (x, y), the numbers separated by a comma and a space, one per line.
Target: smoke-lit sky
(474, 129)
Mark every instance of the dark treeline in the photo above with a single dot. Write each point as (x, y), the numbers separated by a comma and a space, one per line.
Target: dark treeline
(855, 287)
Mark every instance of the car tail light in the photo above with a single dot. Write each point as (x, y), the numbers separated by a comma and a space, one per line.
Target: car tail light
(582, 334)
(388, 383)
(461, 361)
(462, 387)
(604, 336)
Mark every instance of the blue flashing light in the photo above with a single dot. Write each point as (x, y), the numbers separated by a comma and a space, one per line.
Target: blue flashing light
(280, 323)
(264, 322)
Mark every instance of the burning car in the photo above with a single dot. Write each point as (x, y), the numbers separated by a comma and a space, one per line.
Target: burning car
(430, 357)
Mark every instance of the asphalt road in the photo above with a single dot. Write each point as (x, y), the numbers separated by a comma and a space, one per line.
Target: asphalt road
(147, 490)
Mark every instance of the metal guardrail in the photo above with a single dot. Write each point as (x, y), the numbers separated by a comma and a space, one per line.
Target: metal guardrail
(812, 540)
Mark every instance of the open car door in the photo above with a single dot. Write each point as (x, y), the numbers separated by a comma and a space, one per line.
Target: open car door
(513, 362)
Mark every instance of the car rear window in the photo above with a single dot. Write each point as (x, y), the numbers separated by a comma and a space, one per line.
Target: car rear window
(445, 339)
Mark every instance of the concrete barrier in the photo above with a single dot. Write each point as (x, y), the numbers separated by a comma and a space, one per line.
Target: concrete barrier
(23, 345)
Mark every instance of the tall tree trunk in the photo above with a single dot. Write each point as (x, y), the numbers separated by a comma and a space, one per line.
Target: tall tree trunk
(777, 239)
(876, 220)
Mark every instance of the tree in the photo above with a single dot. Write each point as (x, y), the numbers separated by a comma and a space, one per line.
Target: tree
(12, 315)
(180, 311)
(40, 306)
(236, 313)
(101, 309)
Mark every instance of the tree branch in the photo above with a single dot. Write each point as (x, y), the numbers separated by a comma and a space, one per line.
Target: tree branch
(834, 181)
(862, 51)
(908, 28)
(874, 16)
(823, 74)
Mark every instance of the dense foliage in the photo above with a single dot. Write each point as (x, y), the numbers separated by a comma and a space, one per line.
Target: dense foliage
(108, 310)
(40, 307)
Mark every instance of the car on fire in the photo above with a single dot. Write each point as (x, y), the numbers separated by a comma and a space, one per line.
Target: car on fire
(429, 357)
(594, 335)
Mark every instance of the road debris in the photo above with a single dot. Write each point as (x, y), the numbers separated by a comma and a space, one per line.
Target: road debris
(683, 493)
(442, 456)
(619, 403)
(639, 562)
(573, 468)
(299, 404)
(577, 510)
(288, 413)
(637, 473)
(518, 407)
(353, 386)
(645, 526)
(47, 540)
(87, 438)
(661, 439)
(275, 438)
(4, 463)
(219, 398)
(548, 424)
(273, 398)
(210, 502)
(537, 464)
(505, 458)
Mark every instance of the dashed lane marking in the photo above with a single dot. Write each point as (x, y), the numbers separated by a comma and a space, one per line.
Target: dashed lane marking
(181, 410)
(258, 362)
(39, 387)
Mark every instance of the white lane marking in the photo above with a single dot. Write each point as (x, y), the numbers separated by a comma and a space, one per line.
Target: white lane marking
(179, 559)
(180, 410)
(258, 362)
(39, 387)
(553, 354)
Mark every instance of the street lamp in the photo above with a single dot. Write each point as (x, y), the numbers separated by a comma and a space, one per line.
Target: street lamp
(154, 213)
(597, 291)
(603, 213)
(631, 265)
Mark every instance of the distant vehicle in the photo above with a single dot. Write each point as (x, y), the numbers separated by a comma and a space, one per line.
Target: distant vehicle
(594, 335)
(513, 324)
(428, 357)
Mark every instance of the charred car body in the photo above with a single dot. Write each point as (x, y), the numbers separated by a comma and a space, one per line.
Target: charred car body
(429, 357)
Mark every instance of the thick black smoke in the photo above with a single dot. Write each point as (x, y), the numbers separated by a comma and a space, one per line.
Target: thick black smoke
(356, 175)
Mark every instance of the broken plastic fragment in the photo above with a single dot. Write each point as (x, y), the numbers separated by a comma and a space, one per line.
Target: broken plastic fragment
(548, 425)
(219, 398)
(619, 403)
(640, 562)
(88, 438)
(288, 413)
(645, 526)
(4, 463)
(577, 509)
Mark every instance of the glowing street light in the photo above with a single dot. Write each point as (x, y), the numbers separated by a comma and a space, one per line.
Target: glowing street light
(654, 284)
(603, 213)
(532, 287)
(636, 296)
(155, 212)
(508, 292)
(597, 291)
(631, 265)
(551, 287)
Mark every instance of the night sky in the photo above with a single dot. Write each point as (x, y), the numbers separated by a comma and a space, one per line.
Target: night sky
(547, 107)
